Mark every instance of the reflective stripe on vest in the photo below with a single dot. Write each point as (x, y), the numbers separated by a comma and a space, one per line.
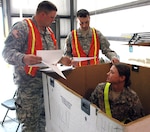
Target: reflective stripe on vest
(76, 45)
(106, 100)
(95, 43)
(34, 43)
(94, 47)
(53, 37)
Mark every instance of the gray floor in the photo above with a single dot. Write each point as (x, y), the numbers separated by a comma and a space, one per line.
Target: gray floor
(9, 126)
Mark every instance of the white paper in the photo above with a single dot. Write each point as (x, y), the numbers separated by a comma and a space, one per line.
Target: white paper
(57, 70)
(50, 56)
(64, 68)
(39, 65)
(50, 59)
(60, 67)
(82, 58)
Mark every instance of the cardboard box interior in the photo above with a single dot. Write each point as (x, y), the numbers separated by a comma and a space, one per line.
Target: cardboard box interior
(83, 80)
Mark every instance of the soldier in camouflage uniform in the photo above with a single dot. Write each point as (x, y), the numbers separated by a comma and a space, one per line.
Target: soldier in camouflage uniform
(29, 102)
(124, 103)
(84, 35)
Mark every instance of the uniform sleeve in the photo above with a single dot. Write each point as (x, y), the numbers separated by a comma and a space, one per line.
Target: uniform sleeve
(14, 48)
(68, 45)
(136, 111)
(94, 97)
(97, 95)
(104, 44)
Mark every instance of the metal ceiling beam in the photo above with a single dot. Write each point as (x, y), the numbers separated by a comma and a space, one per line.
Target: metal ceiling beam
(125, 6)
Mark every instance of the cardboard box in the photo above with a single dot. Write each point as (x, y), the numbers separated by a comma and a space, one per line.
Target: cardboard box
(68, 109)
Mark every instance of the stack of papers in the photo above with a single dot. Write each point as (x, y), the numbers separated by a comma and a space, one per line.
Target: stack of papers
(50, 59)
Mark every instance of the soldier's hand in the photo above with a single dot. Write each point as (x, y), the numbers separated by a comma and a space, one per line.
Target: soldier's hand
(115, 60)
(30, 59)
(66, 61)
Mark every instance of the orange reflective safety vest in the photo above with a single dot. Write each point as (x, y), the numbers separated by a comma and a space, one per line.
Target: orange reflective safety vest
(77, 50)
(35, 43)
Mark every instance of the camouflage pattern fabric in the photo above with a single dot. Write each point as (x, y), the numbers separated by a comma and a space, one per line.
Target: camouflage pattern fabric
(126, 106)
(29, 102)
(85, 41)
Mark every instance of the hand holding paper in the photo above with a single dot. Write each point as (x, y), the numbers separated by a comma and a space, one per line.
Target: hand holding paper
(50, 59)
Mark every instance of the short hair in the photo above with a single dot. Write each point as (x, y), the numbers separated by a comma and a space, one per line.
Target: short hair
(46, 6)
(124, 70)
(82, 13)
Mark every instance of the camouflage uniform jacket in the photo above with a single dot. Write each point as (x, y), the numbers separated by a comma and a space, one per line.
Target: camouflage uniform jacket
(16, 46)
(126, 106)
(85, 41)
